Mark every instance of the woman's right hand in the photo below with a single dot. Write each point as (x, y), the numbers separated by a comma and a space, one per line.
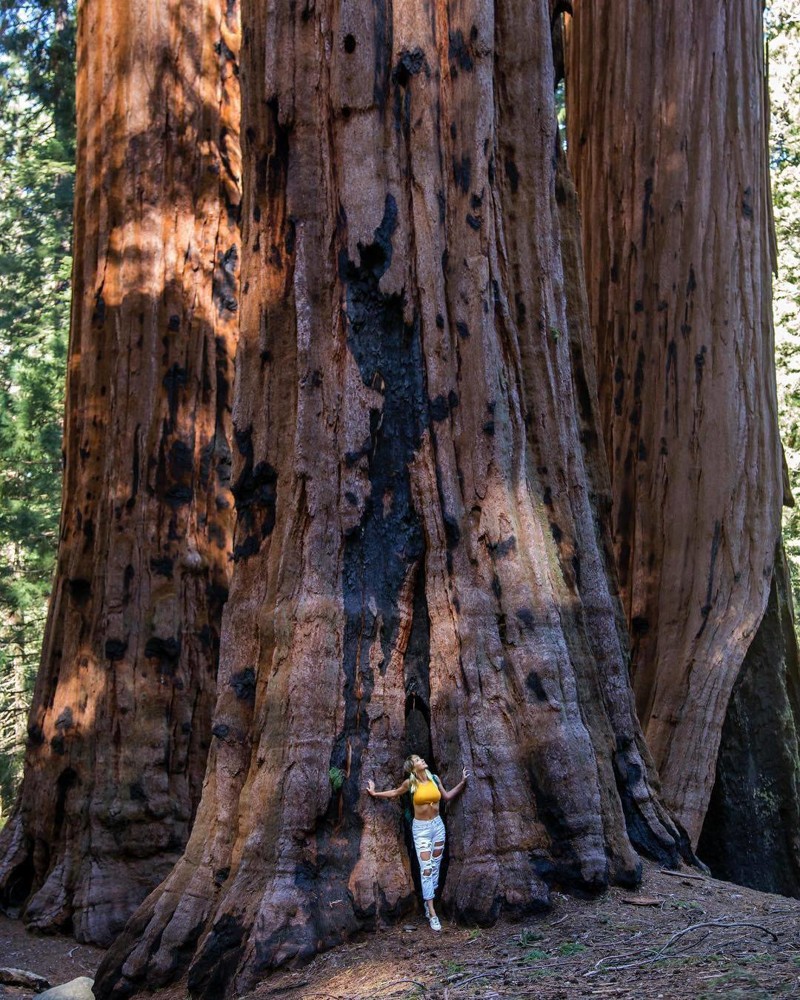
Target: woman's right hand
(371, 787)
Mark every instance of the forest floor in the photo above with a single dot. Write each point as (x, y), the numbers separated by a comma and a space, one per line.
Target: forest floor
(680, 936)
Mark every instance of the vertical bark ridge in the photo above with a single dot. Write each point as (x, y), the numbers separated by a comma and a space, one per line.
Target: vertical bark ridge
(667, 146)
(119, 727)
(382, 375)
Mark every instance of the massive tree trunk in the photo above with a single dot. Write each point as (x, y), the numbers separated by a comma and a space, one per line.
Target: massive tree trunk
(668, 143)
(120, 724)
(421, 534)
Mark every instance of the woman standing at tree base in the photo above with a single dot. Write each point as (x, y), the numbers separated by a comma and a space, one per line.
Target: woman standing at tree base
(427, 829)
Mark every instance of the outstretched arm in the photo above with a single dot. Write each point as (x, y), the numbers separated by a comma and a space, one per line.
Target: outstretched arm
(456, 790)
(392, 793)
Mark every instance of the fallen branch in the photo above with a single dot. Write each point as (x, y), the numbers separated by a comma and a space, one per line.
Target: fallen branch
(723, 924)
(322, 996)
(662, 951)
(699, 878)
(24, 978)
(482, 975)
(403, 982)
(287, 987)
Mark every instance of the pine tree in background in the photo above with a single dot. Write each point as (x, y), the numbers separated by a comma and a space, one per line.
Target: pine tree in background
(37, 136)
(783, 34)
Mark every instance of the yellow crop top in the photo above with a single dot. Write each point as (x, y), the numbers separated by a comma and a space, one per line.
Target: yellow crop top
(427, 794)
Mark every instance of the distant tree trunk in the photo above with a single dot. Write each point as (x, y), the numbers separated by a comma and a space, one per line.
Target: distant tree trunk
(668, 144)
(120, 723)
(421, 505)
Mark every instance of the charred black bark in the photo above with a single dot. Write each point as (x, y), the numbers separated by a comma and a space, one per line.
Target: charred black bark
(751, 833)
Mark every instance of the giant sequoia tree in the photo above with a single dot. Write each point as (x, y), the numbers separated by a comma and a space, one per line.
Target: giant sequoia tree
(421, 497)
(120, 723)
(668, 143)
(423, 552)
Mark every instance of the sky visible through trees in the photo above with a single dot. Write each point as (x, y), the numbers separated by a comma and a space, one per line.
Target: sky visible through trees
(36, 189)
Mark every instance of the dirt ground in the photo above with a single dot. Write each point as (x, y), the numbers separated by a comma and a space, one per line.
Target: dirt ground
(679, 937)
(57, 959)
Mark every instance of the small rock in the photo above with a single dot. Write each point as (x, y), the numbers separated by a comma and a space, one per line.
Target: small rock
(20, 977)
(76, 989)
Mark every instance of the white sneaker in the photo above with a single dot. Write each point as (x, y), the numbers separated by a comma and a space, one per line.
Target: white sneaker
(433, 920)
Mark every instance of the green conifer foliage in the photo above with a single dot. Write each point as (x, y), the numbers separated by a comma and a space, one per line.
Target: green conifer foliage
(783, 34)
(36, 193)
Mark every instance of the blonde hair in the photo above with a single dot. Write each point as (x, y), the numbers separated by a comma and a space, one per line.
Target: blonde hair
(408, 767)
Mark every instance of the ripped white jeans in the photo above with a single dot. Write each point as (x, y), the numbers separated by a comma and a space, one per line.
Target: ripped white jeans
(429, 838)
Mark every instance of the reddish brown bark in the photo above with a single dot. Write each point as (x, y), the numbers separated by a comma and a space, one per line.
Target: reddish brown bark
(667, 141)
(421, 495)
(120, 723)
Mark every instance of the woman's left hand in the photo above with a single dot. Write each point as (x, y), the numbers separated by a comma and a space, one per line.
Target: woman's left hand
(465, 775)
